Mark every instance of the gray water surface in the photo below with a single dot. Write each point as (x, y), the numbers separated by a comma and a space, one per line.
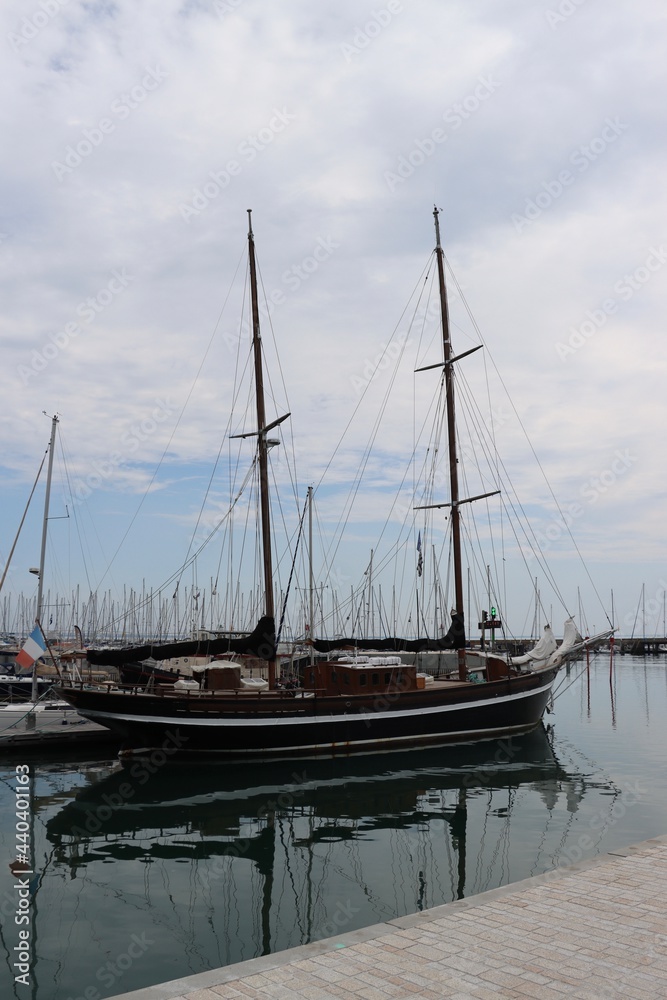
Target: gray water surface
(149, 871)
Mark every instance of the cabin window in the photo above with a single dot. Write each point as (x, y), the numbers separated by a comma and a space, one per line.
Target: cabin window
(333, 676)
(312, 677)
(346, 678)
(387, 677)
(399, 678)
(362, 680)
(375, 679)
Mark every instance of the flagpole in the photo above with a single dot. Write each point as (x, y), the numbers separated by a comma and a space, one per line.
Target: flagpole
(42, 556)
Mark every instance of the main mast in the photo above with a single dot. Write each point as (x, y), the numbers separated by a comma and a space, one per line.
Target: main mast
(451, 438)
(262, 445)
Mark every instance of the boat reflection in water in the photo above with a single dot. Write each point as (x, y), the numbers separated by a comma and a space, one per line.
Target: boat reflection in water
(218, 863)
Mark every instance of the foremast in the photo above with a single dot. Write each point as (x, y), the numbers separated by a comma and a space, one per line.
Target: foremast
(262, 446)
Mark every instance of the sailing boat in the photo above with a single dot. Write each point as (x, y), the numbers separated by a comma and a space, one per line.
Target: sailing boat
(346, 705)
(32, 717)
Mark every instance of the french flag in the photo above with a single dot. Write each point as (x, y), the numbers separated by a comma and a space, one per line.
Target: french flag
(34, 647)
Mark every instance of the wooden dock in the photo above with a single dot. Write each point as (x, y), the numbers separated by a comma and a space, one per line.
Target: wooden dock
(596, 929)
(49, 729)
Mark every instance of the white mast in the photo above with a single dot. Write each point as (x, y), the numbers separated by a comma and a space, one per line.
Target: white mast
(42, 555)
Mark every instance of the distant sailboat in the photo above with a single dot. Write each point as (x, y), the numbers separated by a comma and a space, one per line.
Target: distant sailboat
(25, 684)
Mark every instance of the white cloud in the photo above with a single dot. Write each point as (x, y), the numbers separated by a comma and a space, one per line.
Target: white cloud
(161, 102)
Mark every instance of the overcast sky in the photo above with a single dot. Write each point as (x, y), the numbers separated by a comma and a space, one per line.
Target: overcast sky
(136, 134)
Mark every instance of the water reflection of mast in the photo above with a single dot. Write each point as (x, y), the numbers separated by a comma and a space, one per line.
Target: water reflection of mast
(288, 867)
(309, 874)
(459, 825)
(266, 871)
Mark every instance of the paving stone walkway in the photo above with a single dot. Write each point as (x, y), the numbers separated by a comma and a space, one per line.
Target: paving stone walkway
(592, 931)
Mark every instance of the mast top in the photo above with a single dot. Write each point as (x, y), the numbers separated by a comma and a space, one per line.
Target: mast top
(436, 213)
(250, 233)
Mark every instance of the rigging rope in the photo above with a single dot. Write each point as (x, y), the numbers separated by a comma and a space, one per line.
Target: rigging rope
(289, 582)
(9, 557)
(525, 432)
(174, 429)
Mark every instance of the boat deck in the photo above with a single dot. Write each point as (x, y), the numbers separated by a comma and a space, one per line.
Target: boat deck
(255, 694)
(596, 929)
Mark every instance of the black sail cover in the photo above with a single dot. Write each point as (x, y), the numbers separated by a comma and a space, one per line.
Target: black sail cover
(260, 643)
(455, 639)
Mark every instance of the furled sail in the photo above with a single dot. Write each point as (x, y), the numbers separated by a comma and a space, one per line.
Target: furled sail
(260, 643)
(573, 642)
(455, 639)
(545, 647)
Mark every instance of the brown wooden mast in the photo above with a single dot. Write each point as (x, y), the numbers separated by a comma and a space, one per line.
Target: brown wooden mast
(456, 501)
(451, 437)
(262, 444)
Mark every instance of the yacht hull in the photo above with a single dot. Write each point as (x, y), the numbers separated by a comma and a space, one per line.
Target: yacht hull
(257, 725)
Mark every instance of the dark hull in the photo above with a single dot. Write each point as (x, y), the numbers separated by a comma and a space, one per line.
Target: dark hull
(263, 725)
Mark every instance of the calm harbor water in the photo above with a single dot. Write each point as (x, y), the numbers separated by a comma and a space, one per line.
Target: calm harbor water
(152, 870)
